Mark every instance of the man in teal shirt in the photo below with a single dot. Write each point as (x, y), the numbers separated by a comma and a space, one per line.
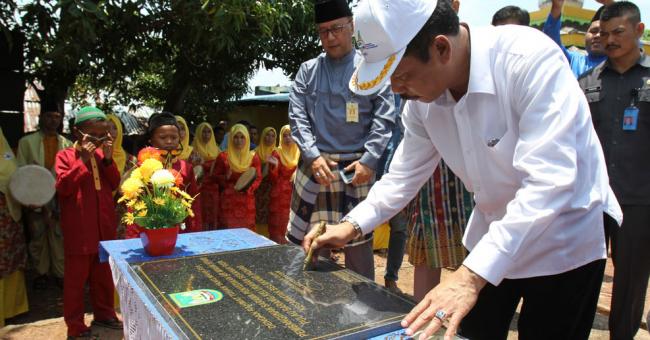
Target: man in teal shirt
(579, 62)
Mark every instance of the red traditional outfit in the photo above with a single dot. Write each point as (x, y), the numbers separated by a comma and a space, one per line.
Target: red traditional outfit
(208, 188)
(281, 188)
(262, 195)
(237, 209)
(85, 195)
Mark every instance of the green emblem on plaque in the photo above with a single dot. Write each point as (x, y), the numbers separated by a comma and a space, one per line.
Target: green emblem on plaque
(196, 297)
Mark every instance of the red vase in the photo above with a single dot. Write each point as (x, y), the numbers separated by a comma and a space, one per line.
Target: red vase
(159, 242)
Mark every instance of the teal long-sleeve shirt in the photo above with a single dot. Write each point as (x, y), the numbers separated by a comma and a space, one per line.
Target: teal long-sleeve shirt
(579, 62)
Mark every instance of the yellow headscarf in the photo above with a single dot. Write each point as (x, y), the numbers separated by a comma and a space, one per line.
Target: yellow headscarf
(262, 150)
(289, 156)
(119, 155)
(7, 167)
(207, 151)
(185, 143)
(239, 160)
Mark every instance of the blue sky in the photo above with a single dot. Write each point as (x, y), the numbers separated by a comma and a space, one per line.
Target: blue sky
(476, 12)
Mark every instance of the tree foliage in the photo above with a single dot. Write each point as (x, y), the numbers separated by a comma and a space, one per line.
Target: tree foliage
(186, 56)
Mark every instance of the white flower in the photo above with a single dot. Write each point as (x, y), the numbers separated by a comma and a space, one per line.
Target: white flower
(162, 178)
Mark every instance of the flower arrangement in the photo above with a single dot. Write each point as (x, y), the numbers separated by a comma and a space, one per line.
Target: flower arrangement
(153, 193)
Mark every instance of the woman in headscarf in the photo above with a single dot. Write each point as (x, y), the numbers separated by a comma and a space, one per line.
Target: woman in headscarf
(207, 150)
(187, 152)
(265, 151)
(13, 257)
(281, 178)
(163, 133)
(237, 209)
(123, 160)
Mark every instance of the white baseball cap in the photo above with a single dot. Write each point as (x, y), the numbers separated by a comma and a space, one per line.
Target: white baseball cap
(383, 28)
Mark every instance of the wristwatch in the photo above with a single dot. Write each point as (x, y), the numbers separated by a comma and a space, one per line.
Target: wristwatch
(355, 225)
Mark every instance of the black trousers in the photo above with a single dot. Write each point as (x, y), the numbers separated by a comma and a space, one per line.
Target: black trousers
(557, 307)
(631, 257)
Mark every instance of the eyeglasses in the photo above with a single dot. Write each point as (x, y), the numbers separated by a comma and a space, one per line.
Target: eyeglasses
(335, 30)
(95, 139)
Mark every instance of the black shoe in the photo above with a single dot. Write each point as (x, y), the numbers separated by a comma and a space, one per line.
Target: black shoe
(83, 335)
(112, 323)
(40, 282)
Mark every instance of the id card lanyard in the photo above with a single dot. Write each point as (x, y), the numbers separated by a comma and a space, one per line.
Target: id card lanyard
(352, 110)
(631, 113)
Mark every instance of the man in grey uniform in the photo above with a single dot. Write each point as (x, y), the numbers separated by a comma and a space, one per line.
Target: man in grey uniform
(336, 131)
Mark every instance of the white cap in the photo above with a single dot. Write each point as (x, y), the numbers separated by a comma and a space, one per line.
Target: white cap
(383, 28)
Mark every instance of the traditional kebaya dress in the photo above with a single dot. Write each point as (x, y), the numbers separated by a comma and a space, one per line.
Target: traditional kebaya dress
(237, 209)
(281, 178)
(208, 186)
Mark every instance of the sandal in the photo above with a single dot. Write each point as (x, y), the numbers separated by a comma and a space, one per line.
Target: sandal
(111, 323)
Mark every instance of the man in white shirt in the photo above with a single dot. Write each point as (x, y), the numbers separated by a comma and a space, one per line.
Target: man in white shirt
(507, 115)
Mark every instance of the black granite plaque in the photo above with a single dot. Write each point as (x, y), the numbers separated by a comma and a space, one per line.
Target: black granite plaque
(263, 293)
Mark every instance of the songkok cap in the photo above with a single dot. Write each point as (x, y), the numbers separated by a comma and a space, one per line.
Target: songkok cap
(161, 119)
(88, 113)
(383, 29)
(328, 10)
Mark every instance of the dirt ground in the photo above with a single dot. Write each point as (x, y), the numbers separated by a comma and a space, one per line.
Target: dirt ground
(44, 320)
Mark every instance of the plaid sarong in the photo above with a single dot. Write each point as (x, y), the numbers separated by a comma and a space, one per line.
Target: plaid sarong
(312, 203)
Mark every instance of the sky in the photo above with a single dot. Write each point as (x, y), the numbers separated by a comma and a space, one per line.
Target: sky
(476, 12)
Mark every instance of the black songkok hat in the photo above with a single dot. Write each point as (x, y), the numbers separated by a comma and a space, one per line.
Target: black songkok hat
(328, 10)
(161, 119)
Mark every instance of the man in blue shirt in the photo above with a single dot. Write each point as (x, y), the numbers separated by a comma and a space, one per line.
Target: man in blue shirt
(579, 62)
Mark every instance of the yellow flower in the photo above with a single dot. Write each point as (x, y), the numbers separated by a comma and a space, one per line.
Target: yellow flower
(190, 212)
(163, 178)
(128, 218)
(186, 203)
(142, 213)
(136, 173)
(185, 195)
(148, 167)
(159, 201)
(139, 205)
(132, 188)
(131, 203)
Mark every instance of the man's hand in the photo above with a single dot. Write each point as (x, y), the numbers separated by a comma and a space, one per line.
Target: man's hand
(87, 148)
(107, 147)
(455, 4)
(335, 236)
(556, 8)
(362, 173)
(321, 168)
(455, 297)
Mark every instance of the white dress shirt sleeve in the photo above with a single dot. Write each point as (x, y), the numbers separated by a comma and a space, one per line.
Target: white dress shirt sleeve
(413, 163)
(551, 109)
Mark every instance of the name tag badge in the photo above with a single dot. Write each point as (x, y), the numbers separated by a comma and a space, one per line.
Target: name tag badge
(352, 112)
(630, 118)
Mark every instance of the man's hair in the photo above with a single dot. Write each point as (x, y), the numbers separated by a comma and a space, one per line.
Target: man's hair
(622, 9)
(443, 21)
(515, 13)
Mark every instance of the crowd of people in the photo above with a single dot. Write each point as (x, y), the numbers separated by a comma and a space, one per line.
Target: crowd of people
(542, 152)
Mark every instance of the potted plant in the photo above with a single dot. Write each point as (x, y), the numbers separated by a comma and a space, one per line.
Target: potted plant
(155, 201)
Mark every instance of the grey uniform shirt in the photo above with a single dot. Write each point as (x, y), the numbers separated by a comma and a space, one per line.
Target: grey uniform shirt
(317, 112)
